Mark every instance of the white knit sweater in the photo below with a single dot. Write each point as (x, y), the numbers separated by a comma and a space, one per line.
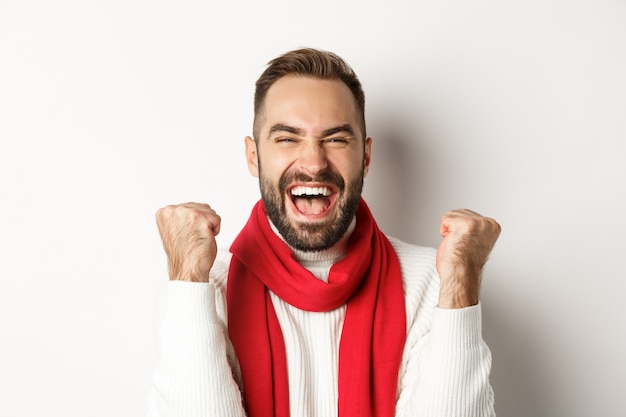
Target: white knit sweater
(444, 371)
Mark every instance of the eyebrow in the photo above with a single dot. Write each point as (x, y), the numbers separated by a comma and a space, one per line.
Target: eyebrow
(279, 127)
(339, 129)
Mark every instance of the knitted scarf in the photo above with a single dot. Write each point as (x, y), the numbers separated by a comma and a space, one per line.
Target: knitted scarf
(368, 279)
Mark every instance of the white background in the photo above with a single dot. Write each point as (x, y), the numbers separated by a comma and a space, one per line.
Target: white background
(111, 109)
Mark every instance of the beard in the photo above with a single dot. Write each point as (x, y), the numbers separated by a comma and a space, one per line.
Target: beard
(312, 236)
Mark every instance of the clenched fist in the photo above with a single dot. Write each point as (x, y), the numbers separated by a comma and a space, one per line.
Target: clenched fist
(188, 233)
(467, 241)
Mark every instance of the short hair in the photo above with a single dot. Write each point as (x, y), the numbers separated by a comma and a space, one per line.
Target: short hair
(310, 62)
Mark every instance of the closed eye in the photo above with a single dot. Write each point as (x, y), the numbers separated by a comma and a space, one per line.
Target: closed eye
(337, 140)
(284, 140)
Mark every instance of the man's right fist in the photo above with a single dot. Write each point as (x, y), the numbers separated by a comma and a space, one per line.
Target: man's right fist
(188, 233)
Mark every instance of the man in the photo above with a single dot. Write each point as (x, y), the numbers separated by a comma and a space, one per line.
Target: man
(315, 312)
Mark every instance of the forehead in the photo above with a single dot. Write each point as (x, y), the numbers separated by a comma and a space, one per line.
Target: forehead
(309, 103)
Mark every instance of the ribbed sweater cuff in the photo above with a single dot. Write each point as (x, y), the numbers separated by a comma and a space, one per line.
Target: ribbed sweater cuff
(458, 329)
(193, 302)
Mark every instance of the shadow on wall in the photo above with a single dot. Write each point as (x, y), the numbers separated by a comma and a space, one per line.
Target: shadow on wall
(386, 185)
(401, 190)
(393, 186)
(515, 359)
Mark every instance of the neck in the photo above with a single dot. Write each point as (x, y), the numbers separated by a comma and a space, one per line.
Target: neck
(319, 262)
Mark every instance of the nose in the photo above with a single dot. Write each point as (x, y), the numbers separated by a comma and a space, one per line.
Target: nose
(312, 159)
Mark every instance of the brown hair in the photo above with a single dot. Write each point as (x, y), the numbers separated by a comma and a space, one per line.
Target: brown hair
(308, 62)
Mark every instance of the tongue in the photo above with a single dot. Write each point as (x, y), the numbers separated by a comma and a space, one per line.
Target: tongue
(315, 205)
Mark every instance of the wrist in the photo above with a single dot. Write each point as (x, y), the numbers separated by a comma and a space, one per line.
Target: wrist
(188, 275)
(459, 288)
(458, 295)
(457, 300)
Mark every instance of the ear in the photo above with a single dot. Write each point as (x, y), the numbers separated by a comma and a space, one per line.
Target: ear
(252, 156)
(367, 156)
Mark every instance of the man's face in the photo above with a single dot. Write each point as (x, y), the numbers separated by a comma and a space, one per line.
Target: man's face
(310, 160)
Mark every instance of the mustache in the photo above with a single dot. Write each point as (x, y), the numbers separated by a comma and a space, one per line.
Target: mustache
(325, 177)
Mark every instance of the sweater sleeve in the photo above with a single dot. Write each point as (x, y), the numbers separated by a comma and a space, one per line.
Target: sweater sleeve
(446, 363)
(195, 374)
(448, 371)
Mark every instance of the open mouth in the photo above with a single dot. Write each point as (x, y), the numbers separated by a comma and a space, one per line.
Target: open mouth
(312, 200)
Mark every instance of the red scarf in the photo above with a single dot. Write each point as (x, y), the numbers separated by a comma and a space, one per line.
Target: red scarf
(368, 279)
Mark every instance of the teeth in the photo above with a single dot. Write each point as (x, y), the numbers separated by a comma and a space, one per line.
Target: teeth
(300, 191)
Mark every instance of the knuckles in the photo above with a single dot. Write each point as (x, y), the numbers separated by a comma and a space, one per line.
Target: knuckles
(189, 212)
(187, 219)
(467, 222)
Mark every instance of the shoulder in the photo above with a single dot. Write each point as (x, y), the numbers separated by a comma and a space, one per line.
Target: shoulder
(414, 255)
(419, 278)
(219, 271)
(417, 262)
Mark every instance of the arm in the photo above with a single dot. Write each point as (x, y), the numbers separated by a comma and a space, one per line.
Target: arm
(194, 372)
(446, 364)
(447, 371)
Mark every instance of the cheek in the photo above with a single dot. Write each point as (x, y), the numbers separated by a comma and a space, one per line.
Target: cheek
(272, 168)
(349, 168)
(269, 173)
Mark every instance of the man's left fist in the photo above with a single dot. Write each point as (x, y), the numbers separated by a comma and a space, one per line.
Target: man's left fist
(467, 241)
